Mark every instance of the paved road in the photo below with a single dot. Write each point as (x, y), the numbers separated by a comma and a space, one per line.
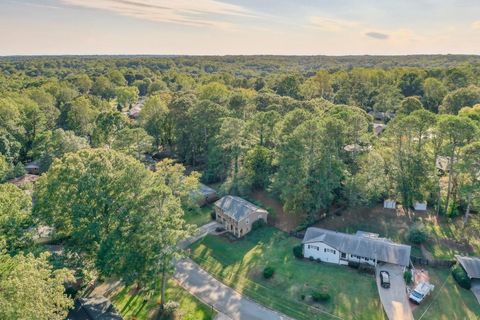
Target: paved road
(394, 299)
(476, 289)
(224, 299)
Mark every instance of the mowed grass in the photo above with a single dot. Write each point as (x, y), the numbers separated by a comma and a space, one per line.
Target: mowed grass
(239, 264)
(200, 216)
(140, 307)
(450, 302)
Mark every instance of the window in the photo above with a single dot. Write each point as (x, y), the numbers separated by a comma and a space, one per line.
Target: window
(308, 246)
(248, 221)
(324, 249)
(344, 255)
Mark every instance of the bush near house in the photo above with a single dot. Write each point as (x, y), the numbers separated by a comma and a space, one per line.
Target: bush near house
(407, 276)
(461, 277)
(260, 223)
(298, 252)
(417, 235)
(268, 272)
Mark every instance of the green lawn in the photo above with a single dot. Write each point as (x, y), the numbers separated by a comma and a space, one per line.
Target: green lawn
(200, 216)
(450, 302)
(135, 307)
(240, 264)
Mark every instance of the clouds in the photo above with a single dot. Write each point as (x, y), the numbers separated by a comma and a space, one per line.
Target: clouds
(476, 25)
(198, 13)
(331, 24)
(377, 35)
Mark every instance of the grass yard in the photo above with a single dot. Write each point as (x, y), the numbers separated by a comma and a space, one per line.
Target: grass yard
(136, 307)
(200, 216)
(450, 302)
(239, 264)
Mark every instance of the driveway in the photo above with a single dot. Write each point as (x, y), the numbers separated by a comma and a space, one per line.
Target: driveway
(476, 289)
(224, 299)
(394, 299)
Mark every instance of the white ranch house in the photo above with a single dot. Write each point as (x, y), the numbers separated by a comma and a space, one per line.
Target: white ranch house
(362, 247)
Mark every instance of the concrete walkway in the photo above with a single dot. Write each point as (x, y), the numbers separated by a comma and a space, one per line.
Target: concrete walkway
(202, 232)
(394, 299)
(229, 303)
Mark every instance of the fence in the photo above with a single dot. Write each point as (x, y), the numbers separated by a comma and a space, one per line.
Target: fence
(432, 262)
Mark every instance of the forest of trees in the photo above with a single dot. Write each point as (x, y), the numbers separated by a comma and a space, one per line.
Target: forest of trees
(301, 128)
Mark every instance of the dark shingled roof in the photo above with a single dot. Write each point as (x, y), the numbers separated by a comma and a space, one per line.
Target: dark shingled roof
(93, 308)
(366, 246)
(236, 207)
(471, 265)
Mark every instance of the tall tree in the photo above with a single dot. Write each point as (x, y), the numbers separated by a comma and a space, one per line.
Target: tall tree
(155, 119)
(15, 218)
(31, 289)
(456, 132)
(115, 213)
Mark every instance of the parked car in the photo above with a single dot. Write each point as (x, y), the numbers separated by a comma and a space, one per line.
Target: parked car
(422, 290)
(384, 279)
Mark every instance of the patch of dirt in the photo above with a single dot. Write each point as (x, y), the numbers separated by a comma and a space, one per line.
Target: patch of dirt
(282, 220)
(390, 223)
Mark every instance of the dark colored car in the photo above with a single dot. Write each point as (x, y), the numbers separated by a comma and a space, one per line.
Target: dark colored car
(384, 279)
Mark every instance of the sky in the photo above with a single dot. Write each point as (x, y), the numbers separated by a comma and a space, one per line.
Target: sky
(226, 27)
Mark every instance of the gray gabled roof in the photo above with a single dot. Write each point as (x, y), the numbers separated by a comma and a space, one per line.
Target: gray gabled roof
(379, 249)
(206, 190)
(236, 207)
(471, 265)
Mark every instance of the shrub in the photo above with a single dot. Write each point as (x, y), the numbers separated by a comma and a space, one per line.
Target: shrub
(407, 276)
(461, 277)
(297, 251)
(268, 272)
(260, 223)
(321, 295)
(417, 235)
(302, 297)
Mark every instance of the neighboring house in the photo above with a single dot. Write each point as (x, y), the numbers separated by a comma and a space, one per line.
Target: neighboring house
(237, 214)
(93, 308)
(205, 195)
(362, 247)
(33, 167)
(471, 265)
(134, 111)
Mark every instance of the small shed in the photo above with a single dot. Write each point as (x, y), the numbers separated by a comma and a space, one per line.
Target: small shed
(389, 204)
(420, 206)
(33, 167)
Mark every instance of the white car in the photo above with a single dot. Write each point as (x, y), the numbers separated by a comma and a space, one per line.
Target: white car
(422, 290)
